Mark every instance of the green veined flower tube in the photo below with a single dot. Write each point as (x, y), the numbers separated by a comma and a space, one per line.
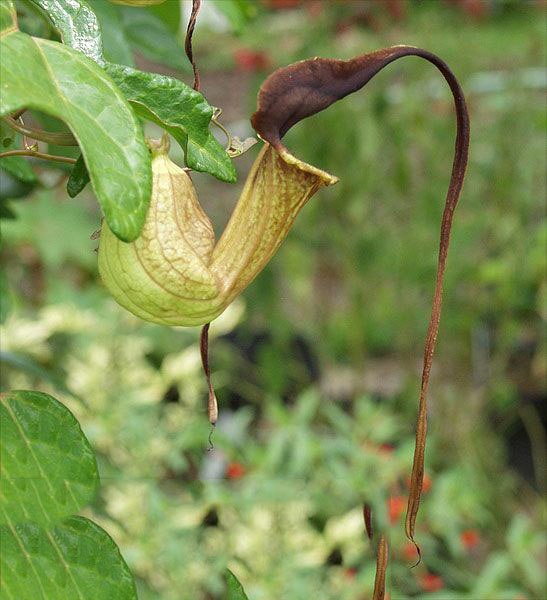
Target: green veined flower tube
(174, 274)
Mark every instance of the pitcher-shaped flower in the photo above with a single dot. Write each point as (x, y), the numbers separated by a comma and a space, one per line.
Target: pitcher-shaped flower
(174, 273)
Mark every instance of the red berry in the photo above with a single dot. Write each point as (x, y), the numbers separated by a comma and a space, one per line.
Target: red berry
(469, 538)
(350, 572)
(396, 505)
(251, 60)
(431, 583)
(235, 470)
(386, 448)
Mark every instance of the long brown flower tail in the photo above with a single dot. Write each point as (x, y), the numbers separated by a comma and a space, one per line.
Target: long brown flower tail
(302, 89)
(196, 5)
(454, 189)
(212, 406)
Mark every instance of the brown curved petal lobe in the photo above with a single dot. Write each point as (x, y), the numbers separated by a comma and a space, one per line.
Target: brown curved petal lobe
(305, 88)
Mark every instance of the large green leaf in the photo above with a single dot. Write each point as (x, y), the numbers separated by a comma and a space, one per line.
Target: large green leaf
(77, 25)
(179, 109)
(170, 103)
(55, 79)
(76, 560)
(8, 19)
(48, 468)
(235, 589)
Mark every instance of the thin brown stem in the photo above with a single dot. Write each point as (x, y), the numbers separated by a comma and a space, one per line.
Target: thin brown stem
(538, 442)
(196, 4)
(59, 139)
(36, 154)
(367, 517)
(381, 568)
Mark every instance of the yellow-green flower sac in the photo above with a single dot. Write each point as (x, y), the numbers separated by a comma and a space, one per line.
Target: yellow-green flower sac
(174, 274)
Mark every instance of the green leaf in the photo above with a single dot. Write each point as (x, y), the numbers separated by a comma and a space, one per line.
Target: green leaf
(48, 468)
(179, 109)
(78, 178)
(50, 77)
(76, 560)
(6, 211)
(77, 25)
(152, 38)
(7, 136)
(210, 157)
(31, 20)
(8, 18)
(170, 103)
(116, 47)
(19, 167)
(235, 589)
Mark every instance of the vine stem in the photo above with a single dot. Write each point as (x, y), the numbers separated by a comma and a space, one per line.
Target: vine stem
(196, 5)
(37, 154)
(59, 139)
(216, 122)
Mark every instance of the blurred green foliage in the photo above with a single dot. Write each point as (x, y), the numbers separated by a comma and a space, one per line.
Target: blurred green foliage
(317, 368)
